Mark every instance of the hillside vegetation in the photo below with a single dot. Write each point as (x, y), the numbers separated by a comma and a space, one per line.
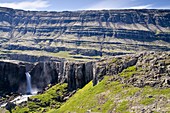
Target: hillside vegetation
(113, 97)
(128, 84)
(52, 98)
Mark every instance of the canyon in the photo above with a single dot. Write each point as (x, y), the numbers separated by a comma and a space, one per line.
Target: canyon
(78, 74)
(62, 82)
(64, 52)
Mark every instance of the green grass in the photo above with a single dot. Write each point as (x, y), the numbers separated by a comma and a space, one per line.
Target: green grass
(110, 96)
(148, 91)
(107, 96)
(46, 101)
(96, 99)
(21, 110)
(147, 101)
(86, 99)
(63, 54)
(60, 54)
(122, 107)
(127, 73)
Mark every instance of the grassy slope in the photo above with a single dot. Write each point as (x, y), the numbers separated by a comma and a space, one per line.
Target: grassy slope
(45, 101)
(107, 96)
(61, 54)
(114, 97)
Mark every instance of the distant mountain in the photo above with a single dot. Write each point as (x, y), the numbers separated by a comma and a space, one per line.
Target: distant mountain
(86, 33)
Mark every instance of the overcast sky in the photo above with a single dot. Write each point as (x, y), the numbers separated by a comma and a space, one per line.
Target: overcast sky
(62, 5)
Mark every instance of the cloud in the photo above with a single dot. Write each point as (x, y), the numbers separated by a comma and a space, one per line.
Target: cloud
(109, 4)
(123, 4)
(163, 7)
(149, 6)
(27, 5)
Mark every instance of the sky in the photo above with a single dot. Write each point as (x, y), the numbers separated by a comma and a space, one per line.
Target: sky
(73, 5)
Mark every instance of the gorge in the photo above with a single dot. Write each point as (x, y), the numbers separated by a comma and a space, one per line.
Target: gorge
(83, 59)
(44, 73)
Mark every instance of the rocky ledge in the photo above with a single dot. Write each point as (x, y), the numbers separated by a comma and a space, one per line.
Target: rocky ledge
(13, 78)
(144, 69)
(148, 68)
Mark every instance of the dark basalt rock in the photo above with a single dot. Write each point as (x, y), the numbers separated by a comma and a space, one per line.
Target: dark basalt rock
(10, 106)
(13, 78)
(153, 70)
(79, 74)
(44, 73)
(143, 17)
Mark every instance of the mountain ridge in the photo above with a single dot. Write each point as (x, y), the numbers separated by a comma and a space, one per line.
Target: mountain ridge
(113, 31)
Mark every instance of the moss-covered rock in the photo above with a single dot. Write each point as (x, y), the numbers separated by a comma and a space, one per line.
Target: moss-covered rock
(50, 99)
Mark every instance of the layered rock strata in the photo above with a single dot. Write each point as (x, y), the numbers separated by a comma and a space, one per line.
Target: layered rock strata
(108, 31)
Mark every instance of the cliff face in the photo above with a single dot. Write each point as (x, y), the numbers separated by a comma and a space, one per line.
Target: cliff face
(140, 70)
(13, 78)
(145, 69)
(134, 83)
(109, 30)
(78, 74)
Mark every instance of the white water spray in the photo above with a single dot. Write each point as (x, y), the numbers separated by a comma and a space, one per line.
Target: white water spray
(30, 92)
(29, 87)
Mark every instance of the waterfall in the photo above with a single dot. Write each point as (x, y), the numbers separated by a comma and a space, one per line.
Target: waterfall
(29, 88)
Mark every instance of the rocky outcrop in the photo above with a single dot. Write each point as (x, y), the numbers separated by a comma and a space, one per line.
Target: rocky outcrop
(144, 69)
(155, 68)
(78, 74)
(44, 73)
(112, 67)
